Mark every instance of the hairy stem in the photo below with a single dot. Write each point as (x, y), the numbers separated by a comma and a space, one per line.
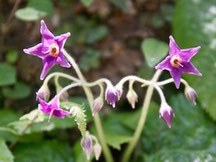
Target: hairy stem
(90, 98)
(142, 119)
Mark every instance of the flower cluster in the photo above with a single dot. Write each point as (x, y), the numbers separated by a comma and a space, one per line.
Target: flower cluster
(51, 51)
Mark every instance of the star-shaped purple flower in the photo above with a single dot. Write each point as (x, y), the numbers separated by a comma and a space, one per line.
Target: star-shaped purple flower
(178, 61)
(52, 108)
(49, 50)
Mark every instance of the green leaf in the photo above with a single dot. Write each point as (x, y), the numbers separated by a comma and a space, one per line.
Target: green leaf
(194, 29)
(29, 14)
(19, 91)
(5, 154)
(90, 60)
(191, 130)
(154, 50)
(181, 156)
(45, 6)
(12, 56)
(125, 5)
(78, 112)
(7, 116)
(87, 2)
(7, 74)
(115, 132)
(95, 34)
(46, 151)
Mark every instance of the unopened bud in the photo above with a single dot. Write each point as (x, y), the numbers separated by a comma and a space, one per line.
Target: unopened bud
(97, 151)
(43, 93)
(166, 113)
(190, 94)
(111, 95)
(86, 144)
(132, 97)
(97, 105)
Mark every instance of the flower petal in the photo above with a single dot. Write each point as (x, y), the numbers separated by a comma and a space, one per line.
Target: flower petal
(187, 54)
(46, 34)
(54, 103)
(62, 61)
(35, 50)
(48, 63)
(176, 75)
(174, 48)
(61, 39)
(189, 68)
(164, 65)
(44, 107)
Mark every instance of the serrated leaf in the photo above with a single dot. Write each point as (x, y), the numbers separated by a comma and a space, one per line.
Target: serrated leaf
(7, 74)
(19, 91)
(194, 29)
(154, 50)
(78, 112)
(29, 14)
(5, 153)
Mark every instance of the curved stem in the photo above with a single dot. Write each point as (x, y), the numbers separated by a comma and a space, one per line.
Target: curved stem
(90, 98)
(170, 81)
(59, 74)
(160, 92)
(132, 77)
(142, 119)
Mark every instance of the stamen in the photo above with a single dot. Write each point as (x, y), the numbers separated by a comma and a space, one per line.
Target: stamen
(54, 50)
(176, 61)
(51, 113)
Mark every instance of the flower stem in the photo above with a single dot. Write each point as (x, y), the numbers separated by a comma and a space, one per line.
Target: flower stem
(90, 98)
(142, 119)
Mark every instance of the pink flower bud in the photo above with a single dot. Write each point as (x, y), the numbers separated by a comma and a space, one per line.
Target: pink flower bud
(97, 105)
(132, 97)
(190, 94)
(111, 95)
(97, 151)
(86, 144)
(166, 113)
(43, 93)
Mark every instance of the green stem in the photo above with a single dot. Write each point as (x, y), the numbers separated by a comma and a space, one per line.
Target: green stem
(90, 98)
(142, 119)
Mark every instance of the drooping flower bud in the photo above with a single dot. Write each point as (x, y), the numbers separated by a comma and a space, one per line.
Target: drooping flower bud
(166, 113)
(111, 95)
(86, 144)
(97, 105)
(43, 93)
(97, 151)
(190, 94)
(132, 97)
(119, 90)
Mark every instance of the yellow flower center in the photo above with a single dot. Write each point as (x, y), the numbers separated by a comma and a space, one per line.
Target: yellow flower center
(176, 61)
(54, 50)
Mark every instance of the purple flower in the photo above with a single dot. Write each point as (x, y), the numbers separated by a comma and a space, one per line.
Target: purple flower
(49, 50)
(87, 146)
(111, 95)
(190, 94)
(52, 108)
(178, 61)
(166, 113)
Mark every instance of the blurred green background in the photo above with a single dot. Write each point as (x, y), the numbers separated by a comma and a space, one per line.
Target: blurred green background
(112, 39)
